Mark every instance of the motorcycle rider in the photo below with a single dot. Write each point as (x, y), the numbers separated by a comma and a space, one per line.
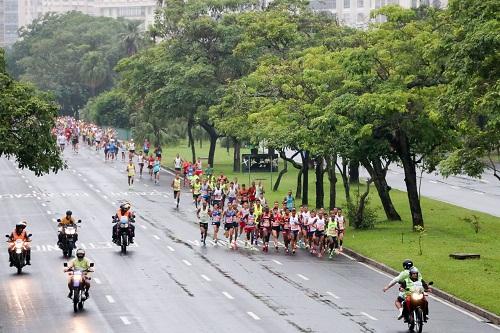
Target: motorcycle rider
(19, 233)
(82, 263)
(412, 282)
(65, 221)
(405, 274)
(124, 211)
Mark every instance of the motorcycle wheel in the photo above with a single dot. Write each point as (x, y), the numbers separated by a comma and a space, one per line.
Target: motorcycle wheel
(419, 320)
(80, 306)
(76, 298)
(19, 269)
(411, 322)
(124, 243)
(70, 253)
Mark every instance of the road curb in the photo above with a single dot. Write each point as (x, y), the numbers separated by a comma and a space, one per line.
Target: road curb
(491, 317)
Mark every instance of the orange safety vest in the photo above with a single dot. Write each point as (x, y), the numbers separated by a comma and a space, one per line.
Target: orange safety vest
(128, 213)
(15, 236)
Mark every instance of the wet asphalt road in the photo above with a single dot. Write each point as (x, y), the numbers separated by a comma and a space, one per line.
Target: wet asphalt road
(167, 282)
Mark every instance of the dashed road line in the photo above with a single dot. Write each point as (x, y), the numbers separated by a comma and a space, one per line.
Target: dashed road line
(49, 212)
(253, 315)
(205, 277)
(156, 236)
(79, 175)
(477, 192)
(277, 262)
(44, 205)
(142, 226)
(110, 299)
(494, 326)
(97, 280)
(125, 320)
(454, 187)
(432, 181)
(369, 316)
(332, 294)
(171, 248)
(186, 262)
(54, 220)
(303, 277)
(228, 295)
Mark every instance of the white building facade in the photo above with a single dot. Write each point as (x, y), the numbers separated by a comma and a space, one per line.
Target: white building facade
(356, 13)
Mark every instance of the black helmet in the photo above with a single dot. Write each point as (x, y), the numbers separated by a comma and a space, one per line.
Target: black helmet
(69, 213)
(407, 264)
(80, 253)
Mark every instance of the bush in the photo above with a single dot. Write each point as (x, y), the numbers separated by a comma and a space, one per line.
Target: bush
(361, 215)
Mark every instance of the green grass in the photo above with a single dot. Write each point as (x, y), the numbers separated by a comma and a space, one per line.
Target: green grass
(391, 242)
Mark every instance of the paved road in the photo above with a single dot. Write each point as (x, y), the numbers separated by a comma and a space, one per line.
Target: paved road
(478, 194)
(168, 282)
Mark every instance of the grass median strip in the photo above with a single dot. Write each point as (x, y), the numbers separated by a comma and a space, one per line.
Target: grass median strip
(448, 229)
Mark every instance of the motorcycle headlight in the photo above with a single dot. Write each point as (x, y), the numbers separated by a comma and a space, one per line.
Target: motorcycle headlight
(124, 225)
(417, 296)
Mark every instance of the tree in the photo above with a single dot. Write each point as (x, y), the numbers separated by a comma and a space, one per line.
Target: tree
(71, 55)
(471, 46)
(108, 109)
(27, 117)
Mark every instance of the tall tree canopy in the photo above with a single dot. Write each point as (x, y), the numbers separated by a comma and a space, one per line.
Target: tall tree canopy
(27, 117)
(72, 55)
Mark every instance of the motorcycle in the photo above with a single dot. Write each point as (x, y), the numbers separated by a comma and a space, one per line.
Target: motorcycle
(413, 308)
(68, 239)
(123, 233)
(19, 255)
(78, 278)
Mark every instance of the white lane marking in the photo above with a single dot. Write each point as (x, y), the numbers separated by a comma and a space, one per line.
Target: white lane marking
(142, 226)
(22, 177)
(165, 196)
(105, 197)
(156, 236)
(228, 295)
(170, 248)
(494, 326)
(454, 187)
(39, 198)
(74, 171)
(477, 192)
(113, 203)
(431, 296)
(97, 191)
(433, 181)
(84, 179)
(332, 294)
(49, 212)
(348, 256)
(367, 315)
(146, 185)
(186, 262)
(97, 280)
(110, 299)
(43, 204)
(26, 181)
(303, 277)
(125, 320)
(253, 315)
(79, 175)
(29, 186)
(205, 277)
(90, 185)
(277, 262)
(54, 220)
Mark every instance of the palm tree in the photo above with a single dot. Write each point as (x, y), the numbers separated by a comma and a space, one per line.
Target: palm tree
(133, 37)
(94, 70)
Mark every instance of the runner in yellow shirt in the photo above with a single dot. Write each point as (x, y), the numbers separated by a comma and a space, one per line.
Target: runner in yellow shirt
(131, 173)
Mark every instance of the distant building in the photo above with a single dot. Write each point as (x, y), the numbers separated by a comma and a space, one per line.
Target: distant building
(17, 13)
(9, 22)
(356, 13)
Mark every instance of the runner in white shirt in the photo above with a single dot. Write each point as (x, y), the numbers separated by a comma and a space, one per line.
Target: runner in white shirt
(340, 227)
(140, 160)
(178, 164)
(304, 220)
(319, 234)
(295, 228)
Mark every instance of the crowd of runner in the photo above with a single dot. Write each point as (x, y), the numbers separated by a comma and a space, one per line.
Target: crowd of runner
(242, 211)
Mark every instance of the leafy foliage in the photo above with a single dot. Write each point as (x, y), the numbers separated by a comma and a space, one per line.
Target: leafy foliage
(27, 117)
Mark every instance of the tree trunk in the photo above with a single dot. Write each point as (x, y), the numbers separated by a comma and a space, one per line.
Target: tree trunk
(236, 156)
(362, 203)
(298, 191)
(191, 140)
(212, 133)
(332, 178)
(353, 172)
(280, 175)
(377, 174)
(305, 177)
(403, 149)
(320, 188)
(345, 180)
